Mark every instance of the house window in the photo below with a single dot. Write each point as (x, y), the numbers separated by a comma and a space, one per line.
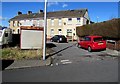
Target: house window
(52, 22)
(13, 30)
(87, 22)
(59, 30)
(13, 23)
(18, 31)
(6, 34)
(69, 30)
(69, 33)
(18, 23)
(78, 19)
(38, 22)
(52, 32)
(69, 19)
(60, 22)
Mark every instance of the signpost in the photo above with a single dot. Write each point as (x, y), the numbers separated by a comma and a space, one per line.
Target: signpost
(45, 30)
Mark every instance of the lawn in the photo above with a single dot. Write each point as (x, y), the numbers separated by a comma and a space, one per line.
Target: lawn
(18, 54)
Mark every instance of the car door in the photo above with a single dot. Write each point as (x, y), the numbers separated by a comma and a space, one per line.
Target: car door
(55, 38)
(87, 42)
(82, 42)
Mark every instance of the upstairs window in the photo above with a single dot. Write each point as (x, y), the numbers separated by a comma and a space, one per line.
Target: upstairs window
(69, 19)
(78, 19)
(18, 23)
(60, 22)
(13, 23)
(52, 22)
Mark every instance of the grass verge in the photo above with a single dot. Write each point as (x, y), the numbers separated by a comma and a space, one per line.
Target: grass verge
(18, 54)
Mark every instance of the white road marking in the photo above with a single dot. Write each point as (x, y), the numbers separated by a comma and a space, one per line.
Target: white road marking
(64, 60)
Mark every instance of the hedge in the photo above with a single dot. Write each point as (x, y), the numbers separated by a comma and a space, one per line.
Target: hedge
(107, 29)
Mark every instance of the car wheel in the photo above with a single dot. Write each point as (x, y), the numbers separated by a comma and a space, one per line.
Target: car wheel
(89, 49)
(78, 45)
(104, 49)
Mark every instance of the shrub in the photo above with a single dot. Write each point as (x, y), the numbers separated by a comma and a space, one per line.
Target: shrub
(107, 29)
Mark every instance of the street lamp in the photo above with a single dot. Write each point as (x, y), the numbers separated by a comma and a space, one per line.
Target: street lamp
(97, 19)
(45, 30)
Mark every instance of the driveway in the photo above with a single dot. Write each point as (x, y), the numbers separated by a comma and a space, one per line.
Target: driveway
(68, 53)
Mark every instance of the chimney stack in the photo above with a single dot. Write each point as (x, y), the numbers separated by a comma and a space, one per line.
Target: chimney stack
(19, 13)
(40, 11)
(29, 12)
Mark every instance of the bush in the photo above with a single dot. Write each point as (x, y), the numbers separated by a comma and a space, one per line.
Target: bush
(107, 29)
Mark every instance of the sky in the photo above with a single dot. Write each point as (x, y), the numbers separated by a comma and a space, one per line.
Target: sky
(98, 11)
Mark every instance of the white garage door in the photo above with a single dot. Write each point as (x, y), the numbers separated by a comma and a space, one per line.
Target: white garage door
(31, 39)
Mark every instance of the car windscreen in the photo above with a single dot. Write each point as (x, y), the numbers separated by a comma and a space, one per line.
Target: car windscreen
(63, 36)
(55, 36)
(98, 39)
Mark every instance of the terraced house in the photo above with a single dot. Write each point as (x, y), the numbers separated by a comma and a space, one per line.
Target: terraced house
(58, 22)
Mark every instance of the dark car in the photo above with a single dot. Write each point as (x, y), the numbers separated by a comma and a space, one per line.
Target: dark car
(58, 38)
(92, 43)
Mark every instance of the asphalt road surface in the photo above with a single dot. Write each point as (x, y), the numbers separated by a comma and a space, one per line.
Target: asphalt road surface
(70, 64)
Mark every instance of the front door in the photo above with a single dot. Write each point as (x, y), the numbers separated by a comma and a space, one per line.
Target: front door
(69, 34)
(59, 31)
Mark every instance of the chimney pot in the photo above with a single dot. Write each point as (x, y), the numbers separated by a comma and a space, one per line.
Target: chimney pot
(40, 11)
(19, 13)
(29, 12)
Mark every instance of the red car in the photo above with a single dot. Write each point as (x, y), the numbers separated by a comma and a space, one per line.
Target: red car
(92, 43)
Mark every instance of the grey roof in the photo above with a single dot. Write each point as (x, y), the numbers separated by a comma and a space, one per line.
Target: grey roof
(55, 14)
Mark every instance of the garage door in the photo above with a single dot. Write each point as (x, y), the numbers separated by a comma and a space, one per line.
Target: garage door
(31, 39)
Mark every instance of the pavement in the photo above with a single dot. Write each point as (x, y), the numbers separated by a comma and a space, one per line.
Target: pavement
(37, 62)
(29, 63)
(113, 52)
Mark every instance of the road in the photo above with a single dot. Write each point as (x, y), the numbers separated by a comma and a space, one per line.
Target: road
(70, 64)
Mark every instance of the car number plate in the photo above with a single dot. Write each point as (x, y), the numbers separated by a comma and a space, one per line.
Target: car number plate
(100, 43)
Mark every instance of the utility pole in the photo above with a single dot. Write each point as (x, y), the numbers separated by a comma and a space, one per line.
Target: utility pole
(45, 30)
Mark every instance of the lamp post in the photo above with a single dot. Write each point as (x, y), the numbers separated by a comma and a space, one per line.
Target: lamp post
(45, 30)
(97, 19)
